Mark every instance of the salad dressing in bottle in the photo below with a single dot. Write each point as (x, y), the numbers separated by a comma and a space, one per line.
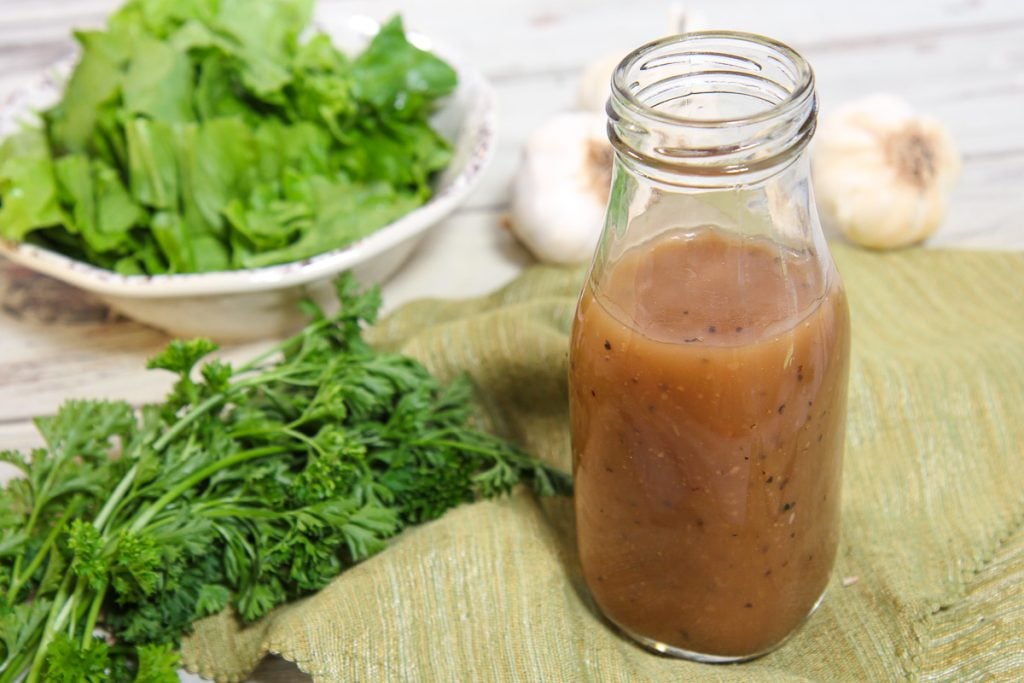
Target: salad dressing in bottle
(709, 356)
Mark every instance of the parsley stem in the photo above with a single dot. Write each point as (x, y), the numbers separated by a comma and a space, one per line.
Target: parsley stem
(94, 613)
(207, 405)
(20, 579)
(14, 669)
(214, 467)
(287, 431)
(40, 501)
(188, 419)
(313, 328)
(62, 606)
(461, 446)
(115, 497)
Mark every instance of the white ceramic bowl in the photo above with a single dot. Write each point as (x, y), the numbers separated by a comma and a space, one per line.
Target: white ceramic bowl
(262, 302)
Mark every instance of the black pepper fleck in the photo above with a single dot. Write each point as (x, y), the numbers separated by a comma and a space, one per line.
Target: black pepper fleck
(607, 345)
(593, 393)
(782, 409)
(712, 329)
(788, 506)
(770, 479)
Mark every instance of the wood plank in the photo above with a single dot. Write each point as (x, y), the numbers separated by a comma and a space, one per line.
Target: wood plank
(987, 207)
(60, 342)
(510, 37)
(867, 20)
(18, 436)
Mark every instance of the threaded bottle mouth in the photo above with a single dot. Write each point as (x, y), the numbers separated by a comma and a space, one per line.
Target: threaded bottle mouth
(712, 103)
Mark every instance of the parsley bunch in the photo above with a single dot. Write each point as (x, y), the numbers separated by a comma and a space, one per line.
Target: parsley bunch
(246, 488)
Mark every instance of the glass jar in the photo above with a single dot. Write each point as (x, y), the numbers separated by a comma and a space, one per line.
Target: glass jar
(709, 356)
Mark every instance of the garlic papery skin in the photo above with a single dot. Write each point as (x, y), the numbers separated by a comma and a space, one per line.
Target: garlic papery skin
(560, 192)
(882, 173)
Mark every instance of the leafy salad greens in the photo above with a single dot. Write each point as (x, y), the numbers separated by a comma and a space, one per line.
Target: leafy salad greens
(247, 487)
(204, 135)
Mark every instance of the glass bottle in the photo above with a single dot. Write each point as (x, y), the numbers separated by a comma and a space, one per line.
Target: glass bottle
(709, 356)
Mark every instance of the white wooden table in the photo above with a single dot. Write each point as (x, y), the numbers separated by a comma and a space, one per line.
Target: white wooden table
(961, 60)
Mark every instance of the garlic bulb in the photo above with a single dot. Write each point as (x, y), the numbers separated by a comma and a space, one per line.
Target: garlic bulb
(881, 173)
(561, 189)
(595, 85)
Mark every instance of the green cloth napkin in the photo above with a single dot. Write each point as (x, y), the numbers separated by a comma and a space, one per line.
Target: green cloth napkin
(932, 546)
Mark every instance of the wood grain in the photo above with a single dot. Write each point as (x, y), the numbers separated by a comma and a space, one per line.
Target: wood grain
(960, 60)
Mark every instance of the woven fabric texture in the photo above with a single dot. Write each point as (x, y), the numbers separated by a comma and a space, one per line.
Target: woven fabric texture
(933, 506)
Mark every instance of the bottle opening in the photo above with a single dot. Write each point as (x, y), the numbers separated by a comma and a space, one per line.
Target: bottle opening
(712, 103)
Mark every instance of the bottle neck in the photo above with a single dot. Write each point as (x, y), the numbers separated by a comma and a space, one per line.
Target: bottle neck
(711, 130)
(779, 207)
(711, 110)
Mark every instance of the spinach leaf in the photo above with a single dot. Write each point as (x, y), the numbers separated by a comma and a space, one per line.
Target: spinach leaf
(396, 77)
(27, 185)
(200, 135)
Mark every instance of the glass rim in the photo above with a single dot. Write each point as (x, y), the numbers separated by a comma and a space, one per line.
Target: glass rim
(804, 77)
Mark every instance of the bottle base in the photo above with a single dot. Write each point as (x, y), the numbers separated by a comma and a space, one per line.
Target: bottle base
(705, 658)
